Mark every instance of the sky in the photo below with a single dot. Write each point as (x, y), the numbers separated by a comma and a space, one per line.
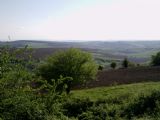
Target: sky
(80, 20)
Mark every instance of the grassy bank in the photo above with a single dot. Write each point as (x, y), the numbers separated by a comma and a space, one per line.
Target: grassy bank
(115, 91)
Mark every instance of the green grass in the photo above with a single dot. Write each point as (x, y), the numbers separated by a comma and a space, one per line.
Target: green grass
(130, 90)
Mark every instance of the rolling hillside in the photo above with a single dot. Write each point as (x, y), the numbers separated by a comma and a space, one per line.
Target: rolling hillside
(120, 90)
(136, 51)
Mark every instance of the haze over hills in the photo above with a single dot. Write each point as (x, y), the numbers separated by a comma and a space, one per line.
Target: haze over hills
(85, 44)
(136, 51)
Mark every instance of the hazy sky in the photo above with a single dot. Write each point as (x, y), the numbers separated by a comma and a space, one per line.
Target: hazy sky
(80, 19)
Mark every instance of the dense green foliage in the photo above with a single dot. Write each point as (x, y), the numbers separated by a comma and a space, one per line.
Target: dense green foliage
(19, 100)
(73, 63)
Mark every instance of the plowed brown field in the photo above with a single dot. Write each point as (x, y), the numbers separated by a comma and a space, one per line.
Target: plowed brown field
(125, 76)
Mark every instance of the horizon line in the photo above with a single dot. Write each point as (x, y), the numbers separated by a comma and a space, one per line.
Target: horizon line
(48, 40)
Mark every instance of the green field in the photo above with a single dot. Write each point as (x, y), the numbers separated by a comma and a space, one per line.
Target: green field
(130, 90)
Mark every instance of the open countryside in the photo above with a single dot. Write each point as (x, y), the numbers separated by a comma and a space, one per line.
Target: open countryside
(79, 60)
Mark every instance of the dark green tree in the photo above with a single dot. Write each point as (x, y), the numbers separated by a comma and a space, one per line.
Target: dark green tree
(113, 65)
(73, 63)
(156, 59)
(100, 67)
(125, 63)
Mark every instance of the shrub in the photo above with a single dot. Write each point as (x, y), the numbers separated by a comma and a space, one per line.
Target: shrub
(113, 65)
(95, 113)
(75, 107)
(17, 100)
(73, 63)
(12, 59)
(148, 104)
(100, 67)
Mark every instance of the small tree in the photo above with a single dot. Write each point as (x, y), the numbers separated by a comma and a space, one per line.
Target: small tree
(156, 59)
(125, 63)
(113, 65)
(74, 63)
(100, 67)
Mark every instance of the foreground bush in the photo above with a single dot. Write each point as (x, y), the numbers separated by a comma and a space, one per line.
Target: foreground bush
(144, 104)
(141, 107)
(18, 99)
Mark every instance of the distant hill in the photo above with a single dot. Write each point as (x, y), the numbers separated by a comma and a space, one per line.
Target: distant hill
(136, 51)
(120, 45)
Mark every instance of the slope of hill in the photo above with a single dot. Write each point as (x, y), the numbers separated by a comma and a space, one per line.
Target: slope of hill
(107, 92)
